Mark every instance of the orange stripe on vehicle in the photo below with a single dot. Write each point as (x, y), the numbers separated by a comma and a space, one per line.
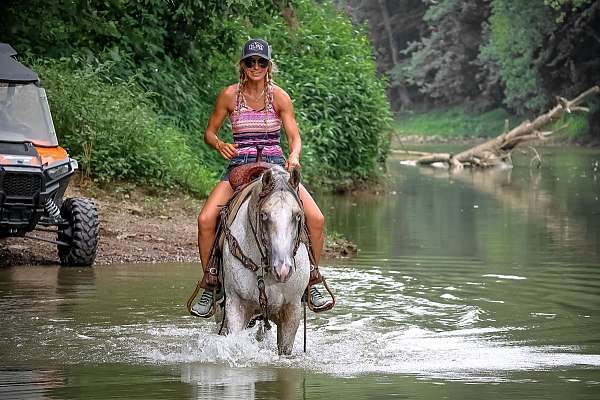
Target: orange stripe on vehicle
(51, 154)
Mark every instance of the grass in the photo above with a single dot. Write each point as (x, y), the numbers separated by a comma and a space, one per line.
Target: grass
(457, 122)
(576, 125)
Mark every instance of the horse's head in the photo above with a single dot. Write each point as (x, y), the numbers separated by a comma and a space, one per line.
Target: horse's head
(279, 220)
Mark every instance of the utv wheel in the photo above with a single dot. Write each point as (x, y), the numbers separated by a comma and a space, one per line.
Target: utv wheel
(81, 233)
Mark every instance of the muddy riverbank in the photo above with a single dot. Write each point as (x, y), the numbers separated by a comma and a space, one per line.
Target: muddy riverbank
(137, 225)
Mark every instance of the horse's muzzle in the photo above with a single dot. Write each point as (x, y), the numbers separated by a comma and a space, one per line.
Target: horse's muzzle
(282, 272)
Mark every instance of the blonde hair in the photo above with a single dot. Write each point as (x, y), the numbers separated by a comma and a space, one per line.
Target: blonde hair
(268, 87)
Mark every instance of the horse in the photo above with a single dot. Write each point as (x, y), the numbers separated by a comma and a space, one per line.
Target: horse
(265, 258)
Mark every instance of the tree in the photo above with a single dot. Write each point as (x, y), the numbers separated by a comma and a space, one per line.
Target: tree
(497, 151)
(392, 24)
(444, 63)
(570, 57)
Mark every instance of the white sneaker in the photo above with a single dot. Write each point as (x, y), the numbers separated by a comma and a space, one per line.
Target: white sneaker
(204, 306)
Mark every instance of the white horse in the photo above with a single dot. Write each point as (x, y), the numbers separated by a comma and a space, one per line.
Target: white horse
(267, 231)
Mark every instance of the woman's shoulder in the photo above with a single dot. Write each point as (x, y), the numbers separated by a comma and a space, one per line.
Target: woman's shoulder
(227, 97)
(230, 90)
(278, 91)
(280, 95)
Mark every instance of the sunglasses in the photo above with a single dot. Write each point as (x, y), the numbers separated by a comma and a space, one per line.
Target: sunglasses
(262, 62)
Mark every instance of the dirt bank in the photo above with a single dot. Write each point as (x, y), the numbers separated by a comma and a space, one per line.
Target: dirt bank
(136, 226)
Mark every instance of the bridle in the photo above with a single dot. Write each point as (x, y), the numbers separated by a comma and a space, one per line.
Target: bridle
(256, 221)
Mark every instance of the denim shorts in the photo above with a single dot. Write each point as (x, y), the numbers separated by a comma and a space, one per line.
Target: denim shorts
(250, 158)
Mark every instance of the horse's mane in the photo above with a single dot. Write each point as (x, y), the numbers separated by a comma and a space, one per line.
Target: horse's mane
(280, 179)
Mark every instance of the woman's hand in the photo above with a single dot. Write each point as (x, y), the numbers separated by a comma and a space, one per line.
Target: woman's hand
(227, 150)
(292, 162)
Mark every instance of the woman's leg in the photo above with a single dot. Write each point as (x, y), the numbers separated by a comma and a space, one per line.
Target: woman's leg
(315, 222)
(207, 223)
(207, 220)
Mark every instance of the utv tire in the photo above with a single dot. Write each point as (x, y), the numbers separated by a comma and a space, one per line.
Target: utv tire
(81, 233)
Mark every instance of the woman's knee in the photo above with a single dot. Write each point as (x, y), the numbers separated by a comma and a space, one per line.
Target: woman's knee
(206, 222)
(315, 220)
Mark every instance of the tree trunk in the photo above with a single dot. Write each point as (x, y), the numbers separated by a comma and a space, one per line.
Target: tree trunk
(288, 14)
(389, 33)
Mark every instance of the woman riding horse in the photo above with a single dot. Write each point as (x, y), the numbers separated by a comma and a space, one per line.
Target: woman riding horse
(257, 109)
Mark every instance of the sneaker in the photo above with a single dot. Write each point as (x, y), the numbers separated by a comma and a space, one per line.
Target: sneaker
(316, 298)
(204, 306)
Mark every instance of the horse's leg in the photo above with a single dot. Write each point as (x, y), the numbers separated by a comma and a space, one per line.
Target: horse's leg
(287, 326)
(235, 314)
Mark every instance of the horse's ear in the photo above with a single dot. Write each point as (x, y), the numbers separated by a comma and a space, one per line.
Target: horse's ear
(267, 178)
(294, 178)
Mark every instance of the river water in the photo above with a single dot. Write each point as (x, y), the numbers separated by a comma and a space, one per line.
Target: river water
(470, 286)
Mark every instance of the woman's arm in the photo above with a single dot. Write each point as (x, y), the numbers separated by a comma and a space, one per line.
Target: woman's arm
(286, 111)
(215, 121)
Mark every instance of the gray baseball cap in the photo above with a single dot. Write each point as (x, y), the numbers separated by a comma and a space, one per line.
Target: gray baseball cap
(256, 47)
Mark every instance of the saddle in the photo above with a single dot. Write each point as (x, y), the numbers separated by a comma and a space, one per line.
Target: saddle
(244, 174)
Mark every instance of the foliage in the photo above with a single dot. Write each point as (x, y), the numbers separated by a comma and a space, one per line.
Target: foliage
(485, 54)
(571, 125)
(455, 122)
(565, 6)
(517, 33)
(327, 68)
(114, 133)
(442, 64)
(458, 122)
(183, 53)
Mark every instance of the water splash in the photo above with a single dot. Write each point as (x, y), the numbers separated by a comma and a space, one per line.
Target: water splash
(383, 333)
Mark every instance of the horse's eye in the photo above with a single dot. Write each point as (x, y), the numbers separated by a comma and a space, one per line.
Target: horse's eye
(264, 216)
(298, 216)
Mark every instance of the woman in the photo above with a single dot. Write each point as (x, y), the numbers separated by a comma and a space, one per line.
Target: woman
(257, 110)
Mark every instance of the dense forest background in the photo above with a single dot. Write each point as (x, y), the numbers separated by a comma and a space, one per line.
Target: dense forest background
(131, 84)
(484, 54)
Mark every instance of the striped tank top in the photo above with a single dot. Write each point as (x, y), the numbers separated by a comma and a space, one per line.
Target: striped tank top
(253, 128)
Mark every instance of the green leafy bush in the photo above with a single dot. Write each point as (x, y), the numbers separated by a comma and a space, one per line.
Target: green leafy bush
(455, 122)
(328, 69)
(115, 134)
(325, 64)
(442, 64)
(183, 53)
(517, 32)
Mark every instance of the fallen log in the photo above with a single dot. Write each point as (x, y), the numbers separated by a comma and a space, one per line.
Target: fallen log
(497, 151)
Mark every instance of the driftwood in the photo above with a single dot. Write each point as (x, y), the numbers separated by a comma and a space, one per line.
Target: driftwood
(497, 151)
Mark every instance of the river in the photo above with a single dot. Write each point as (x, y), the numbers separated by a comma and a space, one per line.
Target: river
(469, 286)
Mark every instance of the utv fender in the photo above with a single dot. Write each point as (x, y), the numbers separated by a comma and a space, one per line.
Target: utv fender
(80, 232)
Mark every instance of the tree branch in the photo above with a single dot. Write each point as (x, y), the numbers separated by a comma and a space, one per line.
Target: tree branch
(497, 150)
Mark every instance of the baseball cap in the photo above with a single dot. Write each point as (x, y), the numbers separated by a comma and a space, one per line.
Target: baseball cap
(256, 47)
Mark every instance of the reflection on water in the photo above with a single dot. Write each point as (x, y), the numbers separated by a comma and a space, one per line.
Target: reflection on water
(222, 382)
(479, 278)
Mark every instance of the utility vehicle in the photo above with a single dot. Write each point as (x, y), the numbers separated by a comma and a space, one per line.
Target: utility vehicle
(35, 170)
